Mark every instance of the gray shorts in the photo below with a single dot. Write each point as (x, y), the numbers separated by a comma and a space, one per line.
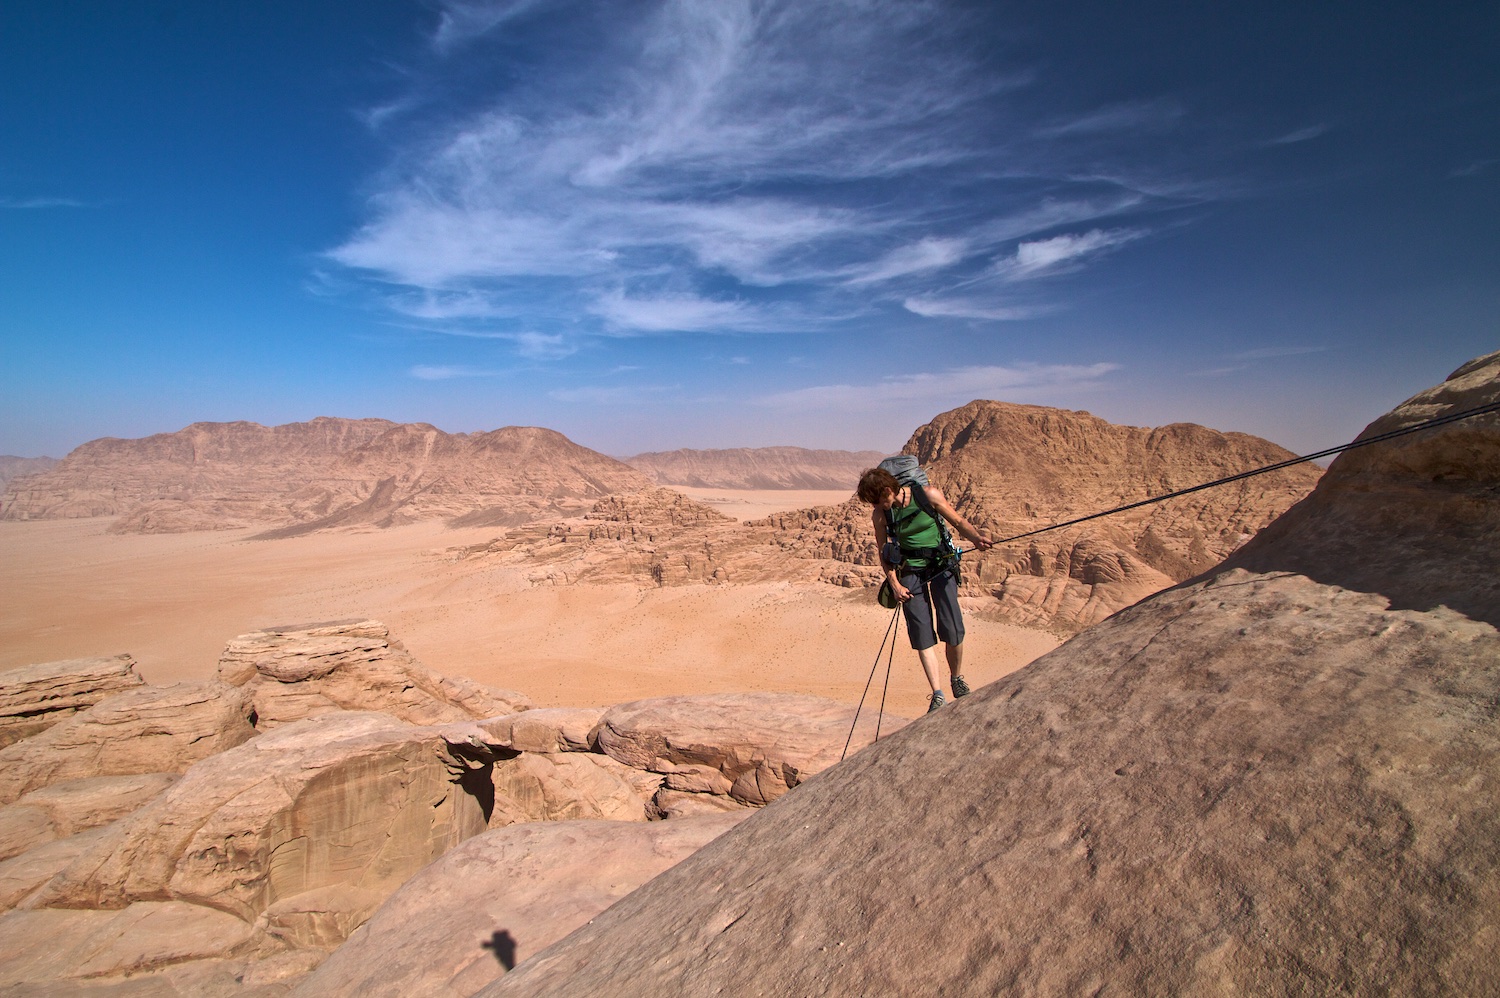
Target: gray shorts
(938, 597)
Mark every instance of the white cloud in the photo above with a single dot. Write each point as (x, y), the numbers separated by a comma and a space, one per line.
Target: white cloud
(447, 372)
(27, 203)
(681, 313)
(1132, 116)
(1058, 254)
(920, 257)
(935, 307)
(1300, 135)
(543, 346)
(964, 383)
(808, 149)
(617, 396)
(464, 20)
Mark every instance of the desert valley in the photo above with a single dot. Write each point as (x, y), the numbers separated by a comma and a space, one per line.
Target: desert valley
(363, 707)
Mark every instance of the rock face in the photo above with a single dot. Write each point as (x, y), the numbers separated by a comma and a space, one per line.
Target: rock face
(499, 898)
(12, 467)
(64, 809)
(150, 729)
(1259, 782)
(757, 467)
(290, 673)
(751, 747)
(352, 800)
(328, 472)
(35, 697)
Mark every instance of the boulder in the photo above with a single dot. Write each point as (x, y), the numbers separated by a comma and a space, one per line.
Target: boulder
(499, 898)
(752, 747)
(1260, 782)
(149, 729)
(63, 809)
(355, 799)
(290, 673)
(35, 697)
(549, 729)
(538, 786)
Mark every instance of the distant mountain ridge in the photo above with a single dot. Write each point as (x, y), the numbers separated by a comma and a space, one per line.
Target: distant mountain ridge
(326, 472)
(12, 467)
(757, 467)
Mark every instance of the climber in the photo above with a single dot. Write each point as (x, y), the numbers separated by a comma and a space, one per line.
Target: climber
(921, 566)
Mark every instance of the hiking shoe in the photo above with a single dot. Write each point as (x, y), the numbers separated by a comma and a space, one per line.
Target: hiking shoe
(960, 688)
(936, 701)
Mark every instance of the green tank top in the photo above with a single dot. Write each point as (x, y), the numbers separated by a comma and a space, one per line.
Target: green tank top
(915, 529)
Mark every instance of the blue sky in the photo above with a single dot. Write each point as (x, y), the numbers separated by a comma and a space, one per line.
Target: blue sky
(712, 224)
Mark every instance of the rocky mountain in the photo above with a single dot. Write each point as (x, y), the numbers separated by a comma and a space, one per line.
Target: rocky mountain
(15, 467)
(757, 467)
(1010, 469)
(1277, 778)
(327, 472)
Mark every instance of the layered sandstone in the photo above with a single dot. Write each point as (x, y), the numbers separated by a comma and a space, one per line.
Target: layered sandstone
(35, 697)
(12, 467)
(289, 673)
(757, 467)
(149, 729)
(324, 473)
(1277, 778)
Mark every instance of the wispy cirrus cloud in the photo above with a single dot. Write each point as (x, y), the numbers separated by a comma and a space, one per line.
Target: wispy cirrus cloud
(1300, 135)
(34, 203)
(844, 155)
(447, 372)
(942, 387)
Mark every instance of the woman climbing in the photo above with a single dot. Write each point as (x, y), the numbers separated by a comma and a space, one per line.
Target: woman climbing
(924, 576)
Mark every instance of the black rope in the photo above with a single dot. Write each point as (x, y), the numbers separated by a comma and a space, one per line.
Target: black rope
(1451, 417)
(895, 615)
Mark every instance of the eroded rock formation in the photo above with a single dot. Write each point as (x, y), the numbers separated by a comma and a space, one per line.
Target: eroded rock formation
(1277, 778)
(35, 697)
(271, 814)
(290, 673)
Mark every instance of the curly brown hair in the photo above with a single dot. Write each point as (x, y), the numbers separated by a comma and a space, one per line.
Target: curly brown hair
(875, 483)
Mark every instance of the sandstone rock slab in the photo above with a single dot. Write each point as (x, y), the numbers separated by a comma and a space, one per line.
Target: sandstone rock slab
(64, 809)
(35, 697)
(27, 872)
(356, 799)
(290, 673)
(499, 898)
(149, 729)
(56, 944)
(752, 747)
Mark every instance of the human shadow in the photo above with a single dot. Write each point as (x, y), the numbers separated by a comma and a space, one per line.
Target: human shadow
(504, 947)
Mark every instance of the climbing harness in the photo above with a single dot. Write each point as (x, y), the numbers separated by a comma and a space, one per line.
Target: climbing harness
(891, 630)
(1451, 417)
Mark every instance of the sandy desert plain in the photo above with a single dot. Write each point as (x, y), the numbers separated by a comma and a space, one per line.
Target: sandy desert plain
(71, 590)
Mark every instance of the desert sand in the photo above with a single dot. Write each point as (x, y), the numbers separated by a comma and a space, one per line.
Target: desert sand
(174, 600)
